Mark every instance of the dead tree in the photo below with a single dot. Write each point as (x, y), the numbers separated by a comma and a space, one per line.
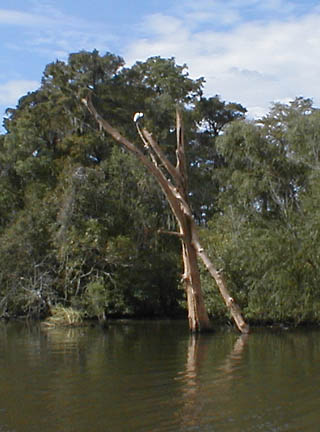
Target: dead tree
(173, 182)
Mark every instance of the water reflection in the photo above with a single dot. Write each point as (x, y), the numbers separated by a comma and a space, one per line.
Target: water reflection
(234, 359)
(155, 377)
(195, 392)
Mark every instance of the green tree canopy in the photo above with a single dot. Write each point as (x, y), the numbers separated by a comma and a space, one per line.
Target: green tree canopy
(79, 218)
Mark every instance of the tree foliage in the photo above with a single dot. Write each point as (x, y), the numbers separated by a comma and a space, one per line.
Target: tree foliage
(80, 220)
(265, 234)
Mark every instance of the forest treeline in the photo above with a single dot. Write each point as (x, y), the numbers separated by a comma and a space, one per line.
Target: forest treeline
(83, 225)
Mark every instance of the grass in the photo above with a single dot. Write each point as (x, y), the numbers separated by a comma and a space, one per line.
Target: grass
(64, 317)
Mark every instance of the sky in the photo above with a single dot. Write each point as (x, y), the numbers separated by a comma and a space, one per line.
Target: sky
(249, 51)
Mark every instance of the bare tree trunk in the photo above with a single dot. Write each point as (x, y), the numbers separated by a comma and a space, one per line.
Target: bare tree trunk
(173, 182)
(197, 313)
(221, 283)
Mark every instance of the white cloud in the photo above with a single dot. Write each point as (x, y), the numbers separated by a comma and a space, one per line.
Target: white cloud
(23, 19)
(254, 62)
(249, 51)
(43, 17)
(49, 32)
(12, 90)
(227, 13)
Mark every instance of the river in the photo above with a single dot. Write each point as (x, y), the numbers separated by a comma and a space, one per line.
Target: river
(152, 376)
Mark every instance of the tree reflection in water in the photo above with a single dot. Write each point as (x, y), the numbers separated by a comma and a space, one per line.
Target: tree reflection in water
(196, 391)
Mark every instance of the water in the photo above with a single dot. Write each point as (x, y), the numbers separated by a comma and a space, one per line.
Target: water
(155, 377)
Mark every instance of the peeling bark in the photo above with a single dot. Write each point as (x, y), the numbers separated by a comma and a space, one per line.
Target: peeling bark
(173, 182)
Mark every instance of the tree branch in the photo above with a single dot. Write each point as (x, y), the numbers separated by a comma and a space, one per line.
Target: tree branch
(153, 168)
(181, 167)
(162, 157)
(174, 233)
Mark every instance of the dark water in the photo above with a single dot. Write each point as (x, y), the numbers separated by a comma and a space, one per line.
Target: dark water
(155, 377)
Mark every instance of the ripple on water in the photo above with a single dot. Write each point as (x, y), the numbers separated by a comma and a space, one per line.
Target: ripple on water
(138, 378)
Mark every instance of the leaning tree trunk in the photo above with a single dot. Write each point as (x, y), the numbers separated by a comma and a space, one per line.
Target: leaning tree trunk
(173, 182)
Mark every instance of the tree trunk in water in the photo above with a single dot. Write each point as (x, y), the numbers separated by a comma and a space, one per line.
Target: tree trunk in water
(197, 313)
(173, 182)
(234, 308)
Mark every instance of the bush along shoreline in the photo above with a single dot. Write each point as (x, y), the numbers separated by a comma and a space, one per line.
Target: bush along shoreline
(84, 228)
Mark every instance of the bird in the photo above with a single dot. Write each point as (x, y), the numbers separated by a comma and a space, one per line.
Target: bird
(136, 119)
(137, 116)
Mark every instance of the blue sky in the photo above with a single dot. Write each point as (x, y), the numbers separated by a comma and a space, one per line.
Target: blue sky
(249, 51)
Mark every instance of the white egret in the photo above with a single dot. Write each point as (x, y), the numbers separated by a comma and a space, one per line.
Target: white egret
(137, 116)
